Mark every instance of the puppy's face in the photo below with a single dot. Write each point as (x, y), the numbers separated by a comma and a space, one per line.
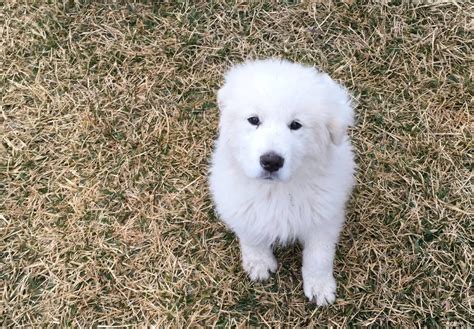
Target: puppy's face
(273, 123)
(270, 143)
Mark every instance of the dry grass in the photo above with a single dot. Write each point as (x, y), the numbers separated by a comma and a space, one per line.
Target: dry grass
(107, 119)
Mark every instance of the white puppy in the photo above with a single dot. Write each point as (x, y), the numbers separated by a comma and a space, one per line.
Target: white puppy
(282, 169)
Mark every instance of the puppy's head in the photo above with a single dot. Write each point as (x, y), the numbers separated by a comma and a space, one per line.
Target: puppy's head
(277, 116)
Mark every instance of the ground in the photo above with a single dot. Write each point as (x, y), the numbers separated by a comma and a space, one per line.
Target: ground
(108, 115)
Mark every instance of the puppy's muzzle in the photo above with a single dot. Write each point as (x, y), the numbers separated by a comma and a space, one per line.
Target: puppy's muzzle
(271, 161)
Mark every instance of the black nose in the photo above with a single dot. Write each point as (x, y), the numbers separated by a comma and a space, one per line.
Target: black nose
(271, 161)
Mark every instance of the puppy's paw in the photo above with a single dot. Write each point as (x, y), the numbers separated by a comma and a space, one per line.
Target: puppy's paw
(320, 290)
(258, 267)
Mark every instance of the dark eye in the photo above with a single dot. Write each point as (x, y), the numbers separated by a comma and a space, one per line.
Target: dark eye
(295, 125)
(254, 121)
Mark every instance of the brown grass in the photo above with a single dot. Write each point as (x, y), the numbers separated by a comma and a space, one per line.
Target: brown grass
(107, 120)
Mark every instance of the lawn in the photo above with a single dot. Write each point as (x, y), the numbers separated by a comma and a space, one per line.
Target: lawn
(107, 120)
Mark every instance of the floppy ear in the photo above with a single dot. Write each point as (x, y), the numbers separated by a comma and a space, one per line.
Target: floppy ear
(221, 97)
(339, 107)
(337, 130)
(341, 118)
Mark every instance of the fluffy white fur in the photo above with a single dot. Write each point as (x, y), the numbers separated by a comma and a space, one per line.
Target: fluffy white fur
(304, 200)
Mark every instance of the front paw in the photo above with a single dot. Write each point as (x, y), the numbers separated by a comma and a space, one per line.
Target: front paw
(320, 289)
(258, 267)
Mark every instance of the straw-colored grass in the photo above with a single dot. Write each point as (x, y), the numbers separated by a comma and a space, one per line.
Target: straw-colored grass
(108, 116)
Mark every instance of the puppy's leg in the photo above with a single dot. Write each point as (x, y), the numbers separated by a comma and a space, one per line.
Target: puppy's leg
(318, 255)
(258, 260)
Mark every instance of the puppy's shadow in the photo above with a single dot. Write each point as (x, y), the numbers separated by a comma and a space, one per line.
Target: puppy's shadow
(288, 274)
